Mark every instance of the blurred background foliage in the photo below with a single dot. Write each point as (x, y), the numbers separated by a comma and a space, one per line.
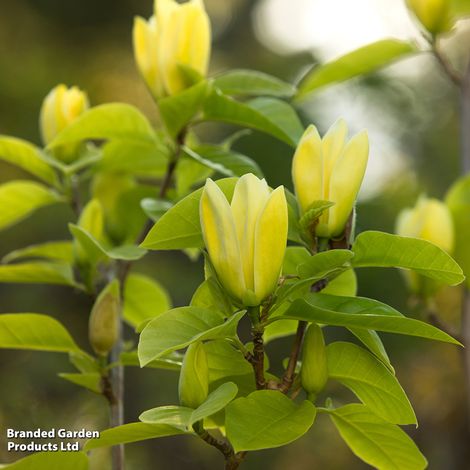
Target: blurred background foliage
(411, 112)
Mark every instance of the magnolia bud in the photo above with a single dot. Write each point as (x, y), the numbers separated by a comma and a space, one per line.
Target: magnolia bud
(434, 15)
(104, 324)
(59, 109)
(314, 370)
(193, 386)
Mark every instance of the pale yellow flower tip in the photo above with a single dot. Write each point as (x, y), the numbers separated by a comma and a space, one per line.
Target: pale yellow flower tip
(59, 109)
(434, 15)
(246, 240)
(430, 220)
(330, 169)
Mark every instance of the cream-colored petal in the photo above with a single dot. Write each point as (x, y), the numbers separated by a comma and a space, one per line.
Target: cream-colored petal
(249, 198)
(409, 223)
(307, 168)
(270, 244)
(346, 180)
(219, 232)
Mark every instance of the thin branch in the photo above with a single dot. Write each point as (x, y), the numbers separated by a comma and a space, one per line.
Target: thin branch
(446, 66)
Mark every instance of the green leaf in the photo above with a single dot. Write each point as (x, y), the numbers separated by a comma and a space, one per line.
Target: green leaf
(362, 61)
(18, 199)
(266, 419)
(225, 361)
(131, 432)
(371, 340)
(134, 158)
(361, 313)
(371, 381)
(183, 418)
(172, 361)
(378, 249)
(383, 445)
(295, 255)
(226, 162)
(144, 298)
(56, 251)
(27, 157)
(51, 461)
(269, 115)
(155, 208)
(89, 380)
(96, 250)
(182, 326)
(251, 82)
(178, 110)
(180, 227)
(38, 273)
(210, 295)
(34, 331)
(109, 122)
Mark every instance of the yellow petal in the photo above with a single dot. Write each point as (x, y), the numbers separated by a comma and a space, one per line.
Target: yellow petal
(409, 223)
(346, 180)
(249, 198)
(307, 168)
(438, 227)
(270, 244)
(220, 237)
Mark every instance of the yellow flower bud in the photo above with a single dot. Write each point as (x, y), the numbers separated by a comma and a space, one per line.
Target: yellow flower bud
(430, 220)
(193, 386)
(104, 324)
(314, 370)
(178, 35)
(246, 239)
(59, 109)
(330, 169)
(434, 15)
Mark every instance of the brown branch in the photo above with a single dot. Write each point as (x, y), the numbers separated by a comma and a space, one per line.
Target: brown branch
(257, 360)
(446, 65)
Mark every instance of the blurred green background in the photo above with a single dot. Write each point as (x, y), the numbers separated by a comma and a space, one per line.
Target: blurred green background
(411, 113)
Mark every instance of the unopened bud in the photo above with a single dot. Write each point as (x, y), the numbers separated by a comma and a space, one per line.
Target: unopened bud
(104, 321)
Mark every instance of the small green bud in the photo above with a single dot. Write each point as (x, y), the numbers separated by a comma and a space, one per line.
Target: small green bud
(103, 327)
(193, 386)
(314, 370)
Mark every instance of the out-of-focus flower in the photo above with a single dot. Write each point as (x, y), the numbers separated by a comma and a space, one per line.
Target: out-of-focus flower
(59, 109)
(330, 169)
(434, 15)
(246, 239)
(178, 36)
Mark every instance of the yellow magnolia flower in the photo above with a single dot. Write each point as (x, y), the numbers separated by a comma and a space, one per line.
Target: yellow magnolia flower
(59, 109)
(330, 169)
(434, 15)
(246, 239)
(430, 220)
(178, 35)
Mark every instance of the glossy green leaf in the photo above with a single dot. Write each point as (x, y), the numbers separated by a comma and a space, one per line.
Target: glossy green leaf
(226, 162)
(357, 312)
(266, 419)
(18, 199)
(134, 158)
(51, 461)
(155, 208)
(38, 273)
(26, 156)
(269, 115)
(55, 251)
(182, 326)
(252, 83)
(225, 361)
(295, 256)
(177, 110)
(131, 432)
(371, 340)
(108, 122)
(183, 417)
(378, 249)
(362, 61)
(34, 331)
(144, 298)
(371, 381)
(383, 445)
(170, 361)
(90, 380)
(96, 250)
(211, 295)
(180, 227)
